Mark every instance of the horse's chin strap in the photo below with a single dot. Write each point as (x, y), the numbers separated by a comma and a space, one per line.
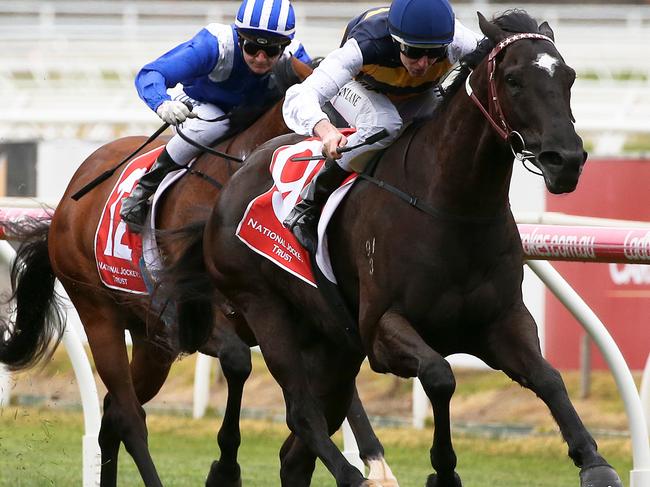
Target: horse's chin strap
(494, 113)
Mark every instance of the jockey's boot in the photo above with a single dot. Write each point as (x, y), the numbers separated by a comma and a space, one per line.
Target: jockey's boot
(135, 207)
(303, 219)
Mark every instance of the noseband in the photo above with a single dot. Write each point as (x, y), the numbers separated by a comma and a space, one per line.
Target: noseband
(494, 113)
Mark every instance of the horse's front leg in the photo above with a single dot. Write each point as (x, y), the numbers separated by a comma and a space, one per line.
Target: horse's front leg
(398, 348)
(523, 362)
(235, 358)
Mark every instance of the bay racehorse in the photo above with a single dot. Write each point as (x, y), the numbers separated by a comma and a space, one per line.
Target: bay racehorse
(64, 249)
(430, 267)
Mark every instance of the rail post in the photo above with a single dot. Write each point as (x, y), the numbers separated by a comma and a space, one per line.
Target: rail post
(201, 392)
(91, 456)
(640, 474)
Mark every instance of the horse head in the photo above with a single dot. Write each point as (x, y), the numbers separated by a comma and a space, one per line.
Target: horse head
(529, 93)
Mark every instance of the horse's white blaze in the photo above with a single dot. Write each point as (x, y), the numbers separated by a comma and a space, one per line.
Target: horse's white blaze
(547, 63)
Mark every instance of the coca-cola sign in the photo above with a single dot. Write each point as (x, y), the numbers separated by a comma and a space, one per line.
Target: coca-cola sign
(617, 292)
(629, 274)
(637, 246)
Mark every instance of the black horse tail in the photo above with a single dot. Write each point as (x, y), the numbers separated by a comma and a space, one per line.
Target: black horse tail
(39, 320)
(186, 283)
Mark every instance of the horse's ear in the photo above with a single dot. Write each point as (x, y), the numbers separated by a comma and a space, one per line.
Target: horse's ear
(491, 31)
(546, 30)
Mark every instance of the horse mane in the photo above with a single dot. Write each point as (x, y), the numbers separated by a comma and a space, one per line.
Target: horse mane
(514, 21)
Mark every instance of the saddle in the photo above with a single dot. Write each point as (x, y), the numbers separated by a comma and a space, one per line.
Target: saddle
(261, 227)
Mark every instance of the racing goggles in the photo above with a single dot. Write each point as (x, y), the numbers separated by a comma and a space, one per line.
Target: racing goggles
(413, 52)
(271, 50)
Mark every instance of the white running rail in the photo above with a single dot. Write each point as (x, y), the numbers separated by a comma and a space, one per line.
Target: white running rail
(90, 452)
(640, 474)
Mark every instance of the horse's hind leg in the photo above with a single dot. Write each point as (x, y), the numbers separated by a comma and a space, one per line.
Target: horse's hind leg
(297, 462)
(235, 358)
(398, 348)
(333, 389)
(273, 329)
(123, 419)
(150, 366)
(371, 450)
(523, 362)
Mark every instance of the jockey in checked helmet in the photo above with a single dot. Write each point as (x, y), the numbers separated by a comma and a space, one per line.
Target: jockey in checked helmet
(222, 67)
(381, 77)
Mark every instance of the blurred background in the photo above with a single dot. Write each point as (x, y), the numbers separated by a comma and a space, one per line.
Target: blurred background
(66, 78)
(67, 70)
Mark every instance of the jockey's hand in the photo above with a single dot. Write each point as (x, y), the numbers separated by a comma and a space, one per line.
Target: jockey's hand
(174, 112)
(331, 138)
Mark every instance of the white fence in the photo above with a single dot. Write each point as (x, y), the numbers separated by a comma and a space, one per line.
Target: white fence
(90, 452)
(640, 474)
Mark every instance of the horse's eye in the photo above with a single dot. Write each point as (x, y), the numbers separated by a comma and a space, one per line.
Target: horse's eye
(512, 81)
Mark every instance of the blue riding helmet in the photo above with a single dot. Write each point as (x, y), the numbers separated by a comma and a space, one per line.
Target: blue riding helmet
(421, 23)
(268, 21)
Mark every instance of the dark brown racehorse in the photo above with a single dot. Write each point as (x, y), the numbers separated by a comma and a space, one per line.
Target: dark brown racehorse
(430, 267)
(64, 250)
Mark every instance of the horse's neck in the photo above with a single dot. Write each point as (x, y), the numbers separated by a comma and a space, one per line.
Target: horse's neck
(468, 169)
(268, 126)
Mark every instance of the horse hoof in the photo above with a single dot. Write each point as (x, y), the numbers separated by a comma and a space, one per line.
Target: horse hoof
(387, 483)
(601, 476)
(435, 481)
(379, 470)
(223, 477)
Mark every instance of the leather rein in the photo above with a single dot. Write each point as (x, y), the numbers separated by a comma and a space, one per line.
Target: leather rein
(494, 115)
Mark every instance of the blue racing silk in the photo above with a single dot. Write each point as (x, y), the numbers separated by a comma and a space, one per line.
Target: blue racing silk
(382, 69)
(211, 68)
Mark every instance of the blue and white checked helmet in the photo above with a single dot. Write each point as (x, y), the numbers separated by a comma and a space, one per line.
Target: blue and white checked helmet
(268, 18)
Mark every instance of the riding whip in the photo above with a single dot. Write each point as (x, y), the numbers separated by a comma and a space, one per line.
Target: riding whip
(376, 137)
(108, 173)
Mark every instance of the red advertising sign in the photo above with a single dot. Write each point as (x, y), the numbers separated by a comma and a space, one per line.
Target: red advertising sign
(619, 293)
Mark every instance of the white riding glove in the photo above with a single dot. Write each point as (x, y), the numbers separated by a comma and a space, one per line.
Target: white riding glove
(174, 112)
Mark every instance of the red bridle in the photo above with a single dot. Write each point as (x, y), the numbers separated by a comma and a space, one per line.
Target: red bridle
(493, 113)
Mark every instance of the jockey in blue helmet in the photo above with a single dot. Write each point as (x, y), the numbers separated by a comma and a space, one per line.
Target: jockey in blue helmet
(381, 77)
(222, 67)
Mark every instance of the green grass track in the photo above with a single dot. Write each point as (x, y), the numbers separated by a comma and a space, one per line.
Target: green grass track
(42, 447)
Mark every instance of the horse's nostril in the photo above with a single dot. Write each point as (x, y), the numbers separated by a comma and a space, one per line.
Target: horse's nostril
(550, 158)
